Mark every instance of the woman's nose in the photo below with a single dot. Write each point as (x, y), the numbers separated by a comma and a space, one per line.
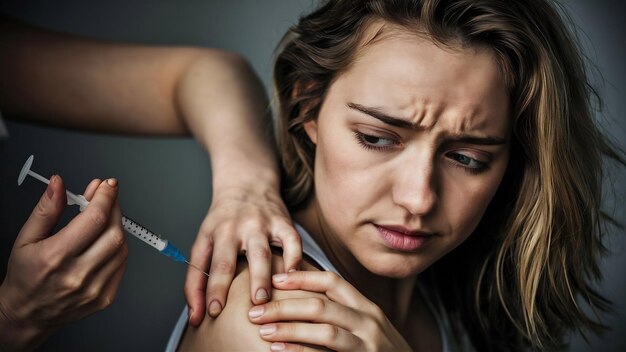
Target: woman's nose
(415, 188)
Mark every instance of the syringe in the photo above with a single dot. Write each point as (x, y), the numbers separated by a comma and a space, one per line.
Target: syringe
(132, 227)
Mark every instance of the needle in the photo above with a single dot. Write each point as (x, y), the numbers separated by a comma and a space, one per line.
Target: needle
(197, 268)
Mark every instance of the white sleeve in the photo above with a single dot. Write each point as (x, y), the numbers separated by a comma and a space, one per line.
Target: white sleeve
(3, 129)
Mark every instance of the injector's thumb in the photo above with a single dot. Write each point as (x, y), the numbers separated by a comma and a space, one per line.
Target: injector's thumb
(45, 215)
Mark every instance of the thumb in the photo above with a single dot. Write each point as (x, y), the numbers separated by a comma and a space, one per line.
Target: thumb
(45, 215)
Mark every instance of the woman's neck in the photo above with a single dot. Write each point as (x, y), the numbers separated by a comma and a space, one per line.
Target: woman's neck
(393, 296)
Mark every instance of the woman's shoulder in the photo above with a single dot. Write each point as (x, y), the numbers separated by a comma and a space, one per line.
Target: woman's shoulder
(232, 330)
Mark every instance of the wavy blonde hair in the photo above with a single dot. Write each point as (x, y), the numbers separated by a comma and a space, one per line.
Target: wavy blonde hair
(535, 253)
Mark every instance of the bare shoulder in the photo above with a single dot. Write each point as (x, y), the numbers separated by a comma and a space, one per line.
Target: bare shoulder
(232, 330)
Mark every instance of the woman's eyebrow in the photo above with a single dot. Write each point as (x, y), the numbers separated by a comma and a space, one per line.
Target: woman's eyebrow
(379, 115)
(397, 122)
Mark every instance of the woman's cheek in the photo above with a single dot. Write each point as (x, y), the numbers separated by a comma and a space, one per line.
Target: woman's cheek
(344, 164)
(465, 198)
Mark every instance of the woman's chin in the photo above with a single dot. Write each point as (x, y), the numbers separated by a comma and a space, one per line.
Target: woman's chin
(396, 269)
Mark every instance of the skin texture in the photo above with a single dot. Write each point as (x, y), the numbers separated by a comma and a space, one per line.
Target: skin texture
(426, 175)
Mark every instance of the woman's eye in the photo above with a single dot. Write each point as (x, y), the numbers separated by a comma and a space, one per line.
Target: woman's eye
(374, 142)
(467, 162)
(378, 141)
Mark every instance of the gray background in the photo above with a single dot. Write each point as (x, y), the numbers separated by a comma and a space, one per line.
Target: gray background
(165, 182)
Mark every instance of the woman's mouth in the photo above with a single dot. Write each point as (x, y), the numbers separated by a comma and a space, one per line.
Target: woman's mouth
(402, 238)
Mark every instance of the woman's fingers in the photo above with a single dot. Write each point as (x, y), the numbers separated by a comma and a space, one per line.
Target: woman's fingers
(292, 347)
(285, 236)
(327, 335)
(221, 274)
(326, 282)
(346, 321)
(312, 309)
(259, 258)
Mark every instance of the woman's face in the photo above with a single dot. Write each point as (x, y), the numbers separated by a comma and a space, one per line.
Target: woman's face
(411, 142)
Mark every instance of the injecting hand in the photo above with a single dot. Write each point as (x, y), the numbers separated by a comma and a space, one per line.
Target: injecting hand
(56, 278)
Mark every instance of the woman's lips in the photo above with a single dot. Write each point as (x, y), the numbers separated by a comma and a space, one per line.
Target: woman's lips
(402, 238)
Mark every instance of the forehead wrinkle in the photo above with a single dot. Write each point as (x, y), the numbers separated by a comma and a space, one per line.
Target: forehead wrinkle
(461, 121)
(425, 109)
(422, 112)
(467, 119)
(426, 115)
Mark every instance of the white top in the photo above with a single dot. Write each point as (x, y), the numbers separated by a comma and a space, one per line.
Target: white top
(3, 128)
(311, 249)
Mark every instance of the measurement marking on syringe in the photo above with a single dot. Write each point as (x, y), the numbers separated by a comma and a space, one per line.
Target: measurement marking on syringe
(141, 232)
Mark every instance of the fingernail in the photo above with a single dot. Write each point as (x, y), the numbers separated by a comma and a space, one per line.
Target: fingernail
(267, 329)
(292, 270)
(112, 182)
(215, 308)
(261, 295)
(279, 277)
(49, 189)
(277, 346)
(189, 313)
(256, 312)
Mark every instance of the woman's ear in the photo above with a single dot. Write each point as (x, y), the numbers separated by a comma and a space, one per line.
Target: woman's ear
(300, 87)
(310, 127)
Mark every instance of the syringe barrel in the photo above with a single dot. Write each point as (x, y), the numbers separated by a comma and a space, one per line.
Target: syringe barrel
(153, 240)
(143, 234)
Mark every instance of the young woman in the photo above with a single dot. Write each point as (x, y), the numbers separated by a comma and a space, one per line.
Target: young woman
(442, 160)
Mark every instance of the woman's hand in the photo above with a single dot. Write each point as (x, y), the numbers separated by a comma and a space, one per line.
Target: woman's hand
(241, 220)
(347, 321)
(55, 279)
